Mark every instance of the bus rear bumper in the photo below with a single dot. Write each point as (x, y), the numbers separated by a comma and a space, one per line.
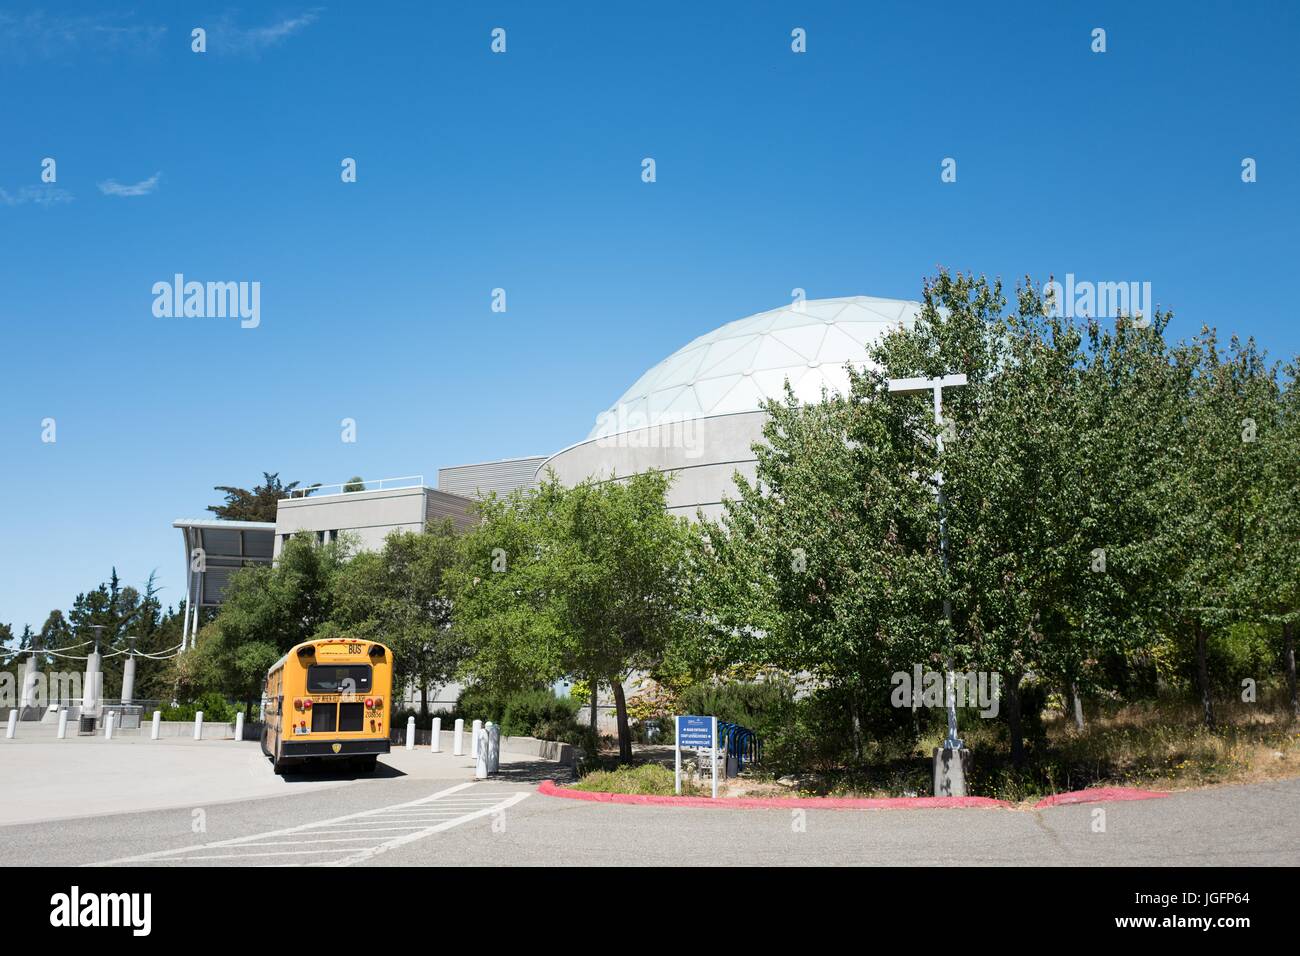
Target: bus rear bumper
(333, 748)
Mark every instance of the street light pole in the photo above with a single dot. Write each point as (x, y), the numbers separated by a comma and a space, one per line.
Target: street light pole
(919, 386)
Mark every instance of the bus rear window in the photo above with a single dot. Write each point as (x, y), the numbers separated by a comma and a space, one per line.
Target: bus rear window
(338, 679)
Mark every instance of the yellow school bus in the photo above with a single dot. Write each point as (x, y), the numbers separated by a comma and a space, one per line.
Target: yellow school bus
(328, 700)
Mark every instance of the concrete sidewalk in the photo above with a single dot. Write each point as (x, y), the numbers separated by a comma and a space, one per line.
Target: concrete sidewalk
(43, 779)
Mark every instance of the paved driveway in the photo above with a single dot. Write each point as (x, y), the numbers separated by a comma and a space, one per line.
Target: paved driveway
(424, 809)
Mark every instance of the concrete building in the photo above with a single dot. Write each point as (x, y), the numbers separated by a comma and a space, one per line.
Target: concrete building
(214, 548)
(369, 515)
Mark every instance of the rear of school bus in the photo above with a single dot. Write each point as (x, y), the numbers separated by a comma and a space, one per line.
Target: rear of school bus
(333, 700)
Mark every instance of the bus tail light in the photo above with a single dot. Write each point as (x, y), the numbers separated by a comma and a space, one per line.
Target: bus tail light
(297, 703)
(307, 704)
(370, 703)
(379, 703)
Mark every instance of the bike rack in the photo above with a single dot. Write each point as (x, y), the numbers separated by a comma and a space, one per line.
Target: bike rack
(741, 743)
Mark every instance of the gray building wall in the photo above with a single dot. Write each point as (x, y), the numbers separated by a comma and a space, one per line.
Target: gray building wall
(478, 480)
(369, 516)
(702, 455)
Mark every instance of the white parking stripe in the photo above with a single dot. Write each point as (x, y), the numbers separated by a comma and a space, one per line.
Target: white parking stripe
(371, 852)
(308, 842)
(250, 856)
(407, 822)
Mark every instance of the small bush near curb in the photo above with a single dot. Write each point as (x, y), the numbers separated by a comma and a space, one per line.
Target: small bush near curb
(648, 778)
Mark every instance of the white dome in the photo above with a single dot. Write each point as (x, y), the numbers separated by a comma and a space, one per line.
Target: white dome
(737, 367)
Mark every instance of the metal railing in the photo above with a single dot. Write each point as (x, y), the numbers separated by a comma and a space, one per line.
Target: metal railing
(382, 484)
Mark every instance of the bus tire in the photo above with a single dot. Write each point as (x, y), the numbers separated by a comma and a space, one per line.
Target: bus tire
(278, 767)
(367, 764)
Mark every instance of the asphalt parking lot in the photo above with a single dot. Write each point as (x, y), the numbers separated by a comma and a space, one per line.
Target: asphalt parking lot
(214, 803)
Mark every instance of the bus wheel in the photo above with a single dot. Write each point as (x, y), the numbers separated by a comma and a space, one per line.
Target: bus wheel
(278, 767)
(367, 764)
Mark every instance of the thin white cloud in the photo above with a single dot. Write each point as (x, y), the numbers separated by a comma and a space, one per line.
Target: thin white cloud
(224, 36)
(111, 187)
(40, 195)
(40, 36)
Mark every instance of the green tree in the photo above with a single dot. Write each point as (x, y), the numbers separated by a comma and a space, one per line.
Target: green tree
(583, 582)
(1054, 458)
(1218, 490)
(268, 609)
(827, 563)
(258, 504)
(397, 595)
(1130, 401)
(1274, 560)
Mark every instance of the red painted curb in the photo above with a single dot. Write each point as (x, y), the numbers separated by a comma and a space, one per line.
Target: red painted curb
(548, 788)
(1098, 794)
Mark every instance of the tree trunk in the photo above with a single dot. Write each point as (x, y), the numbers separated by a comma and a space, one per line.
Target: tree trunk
(1288, 643)
(424, 699)
(1078, 705)
(624, 731)
(1203, 675)
(595, 692)
(856, 718)
(1014, 726)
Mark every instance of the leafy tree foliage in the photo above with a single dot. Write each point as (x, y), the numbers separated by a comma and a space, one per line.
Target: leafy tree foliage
(397, 596)
(267, 610)
(258, 504)
(827, 564)
(1101, 495)
(583, 582)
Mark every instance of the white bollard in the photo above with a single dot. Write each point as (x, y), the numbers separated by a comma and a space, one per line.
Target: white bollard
(410, 733)
(108, 726)
(474, 736)
(239, 726)
(435, 740)
(458, 741)
(480, 751)
(13, 725)
(157, 721)
(63, 724)
(198, 725)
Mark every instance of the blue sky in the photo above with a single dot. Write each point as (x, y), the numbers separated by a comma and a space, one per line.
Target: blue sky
(522, 171)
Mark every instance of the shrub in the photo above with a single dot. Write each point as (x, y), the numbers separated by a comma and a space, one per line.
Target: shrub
(216, 709)
(741, 703)
(528, 711)
(479, 702)
(646, 778)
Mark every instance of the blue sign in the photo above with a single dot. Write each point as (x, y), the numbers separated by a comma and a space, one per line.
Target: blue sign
(695, 732)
